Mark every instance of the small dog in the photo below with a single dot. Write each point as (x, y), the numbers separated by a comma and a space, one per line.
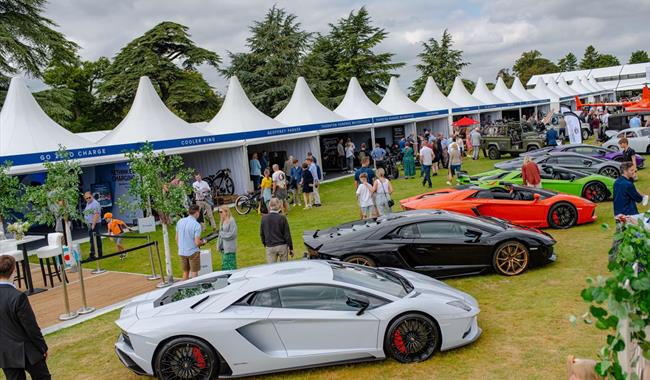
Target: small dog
(581, 369)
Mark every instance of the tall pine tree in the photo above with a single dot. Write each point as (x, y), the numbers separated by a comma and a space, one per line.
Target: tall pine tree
(590, 58)
(268, 72)
(352, 42)
(639, 56)
(440, 61)
(168, 56)
(568, 63)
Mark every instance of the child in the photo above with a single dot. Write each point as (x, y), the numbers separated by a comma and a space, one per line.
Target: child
(364, 196)
(267, 187)
(116, 227)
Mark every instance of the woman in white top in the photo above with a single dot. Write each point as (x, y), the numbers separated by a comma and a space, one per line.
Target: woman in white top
(382, 189)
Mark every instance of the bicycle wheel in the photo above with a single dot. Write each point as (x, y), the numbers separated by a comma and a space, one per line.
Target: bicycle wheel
(243, 205)
(226, 186)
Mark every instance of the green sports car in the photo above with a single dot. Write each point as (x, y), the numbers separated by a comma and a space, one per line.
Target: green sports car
(594, 187)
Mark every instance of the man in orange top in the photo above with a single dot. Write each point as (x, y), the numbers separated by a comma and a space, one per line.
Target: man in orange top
(116, 227)
(530, 173)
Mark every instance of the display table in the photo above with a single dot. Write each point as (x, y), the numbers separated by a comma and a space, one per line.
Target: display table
(28, 272)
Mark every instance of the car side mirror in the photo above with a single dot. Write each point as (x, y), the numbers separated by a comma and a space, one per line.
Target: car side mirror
(571, 179)
(360, 302)
(536, 197)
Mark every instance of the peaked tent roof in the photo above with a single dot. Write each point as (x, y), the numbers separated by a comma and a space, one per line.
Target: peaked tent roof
(149, 120)
(519, 91)
(482, 93)
(561, 83)
(25, 128)
(585, 83)
(93, 136)
(595, 84)
(238, 114)
(395, 100)
(542, 92)
(356, 105)
(433, 99)
(501, 91)
(461, 96)
(303, 108)
(578, 87)
(552, 85)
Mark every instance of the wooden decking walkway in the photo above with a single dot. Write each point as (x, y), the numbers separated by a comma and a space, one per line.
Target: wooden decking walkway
(102, 290)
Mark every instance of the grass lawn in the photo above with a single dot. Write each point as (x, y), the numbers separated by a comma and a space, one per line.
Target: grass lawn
(526, 333)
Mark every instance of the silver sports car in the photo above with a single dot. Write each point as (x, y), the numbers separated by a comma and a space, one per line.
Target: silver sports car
(290, 316)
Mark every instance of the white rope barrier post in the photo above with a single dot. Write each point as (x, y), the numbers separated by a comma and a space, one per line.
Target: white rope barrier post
(99, 270)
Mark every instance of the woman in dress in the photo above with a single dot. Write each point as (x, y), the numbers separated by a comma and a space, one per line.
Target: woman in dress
(409, 161)
(382, 190)
(307, 185)
(227, 241)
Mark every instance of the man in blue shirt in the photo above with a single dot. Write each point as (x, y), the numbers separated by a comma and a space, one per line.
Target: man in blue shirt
(551, 137)
(365, 168)
(635, 122)
(188, 240)
(402, 143)
(378, 155)
(92, 216)
(625, 194)
(315, 172)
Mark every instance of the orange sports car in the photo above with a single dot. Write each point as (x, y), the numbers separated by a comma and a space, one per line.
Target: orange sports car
(520, 205)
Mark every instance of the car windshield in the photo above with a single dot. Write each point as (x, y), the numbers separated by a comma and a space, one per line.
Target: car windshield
(495, 176)
(375, 279)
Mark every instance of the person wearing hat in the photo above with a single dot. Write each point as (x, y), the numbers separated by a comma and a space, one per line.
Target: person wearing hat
(116, 227)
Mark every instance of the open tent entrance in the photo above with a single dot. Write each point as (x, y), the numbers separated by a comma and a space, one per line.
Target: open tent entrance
(435, 126)
(490, 117)
(277, 152)
(510, 115)
(331, 164)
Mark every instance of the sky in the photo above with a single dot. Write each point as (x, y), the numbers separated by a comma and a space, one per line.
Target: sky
(492, 34)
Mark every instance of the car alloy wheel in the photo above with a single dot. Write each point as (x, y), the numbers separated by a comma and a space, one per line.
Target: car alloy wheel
(595, 192)
(186, 358)
(411, 338)
(609, 171)
(585, 134)
(562, 215)
(361, 260)
(511, 258)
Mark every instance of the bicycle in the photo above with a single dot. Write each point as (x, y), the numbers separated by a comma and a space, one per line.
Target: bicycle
(221, 183)
(390, 167)
(247, 202)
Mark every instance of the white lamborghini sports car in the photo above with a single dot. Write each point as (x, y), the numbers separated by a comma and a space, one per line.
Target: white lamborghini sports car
(289, 316)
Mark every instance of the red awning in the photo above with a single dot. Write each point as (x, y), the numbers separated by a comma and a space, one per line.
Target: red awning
(464, 122)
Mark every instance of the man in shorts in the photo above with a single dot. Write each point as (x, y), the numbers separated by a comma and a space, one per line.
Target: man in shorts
(188, 240)
(280, 187)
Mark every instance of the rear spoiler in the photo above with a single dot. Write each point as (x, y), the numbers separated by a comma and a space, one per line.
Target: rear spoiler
(313, 234)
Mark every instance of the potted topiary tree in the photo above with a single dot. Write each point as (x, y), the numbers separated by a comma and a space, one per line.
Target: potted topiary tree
(160, 185)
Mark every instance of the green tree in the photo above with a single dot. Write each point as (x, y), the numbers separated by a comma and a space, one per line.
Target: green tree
(160, 185)
(353, 41)
(80, 80)
(505, 75)
(28, 41)
(589, 58)
(10, 199)
(607, 60)
(439, 61)
(532, 63)
(268, 72)
(470, 85)
(168, 56)
(568, 63)
(58, 197)
(639, 56)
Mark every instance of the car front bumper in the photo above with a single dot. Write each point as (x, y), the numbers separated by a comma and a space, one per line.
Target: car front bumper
(130, 359)
(469, 333)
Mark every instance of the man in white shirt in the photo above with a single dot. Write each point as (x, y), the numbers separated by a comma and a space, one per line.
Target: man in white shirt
(364, 196)
(314, 172)
(280, 187)
(203, 197)
(426, 160)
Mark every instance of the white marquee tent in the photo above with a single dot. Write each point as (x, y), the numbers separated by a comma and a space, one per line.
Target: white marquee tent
(356, 105)
(501, 91)
(579, 88)
(585, 83)
(482, 93)
(433, 99)
(519, 91)
(553, 87)
(463, 98)
(25, 128)
(561, 83)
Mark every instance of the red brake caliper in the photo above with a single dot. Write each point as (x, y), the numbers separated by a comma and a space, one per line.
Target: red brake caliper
(399, 342)
(198, 356)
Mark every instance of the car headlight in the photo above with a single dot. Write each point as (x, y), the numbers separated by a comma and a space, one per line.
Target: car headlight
(460, 305)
